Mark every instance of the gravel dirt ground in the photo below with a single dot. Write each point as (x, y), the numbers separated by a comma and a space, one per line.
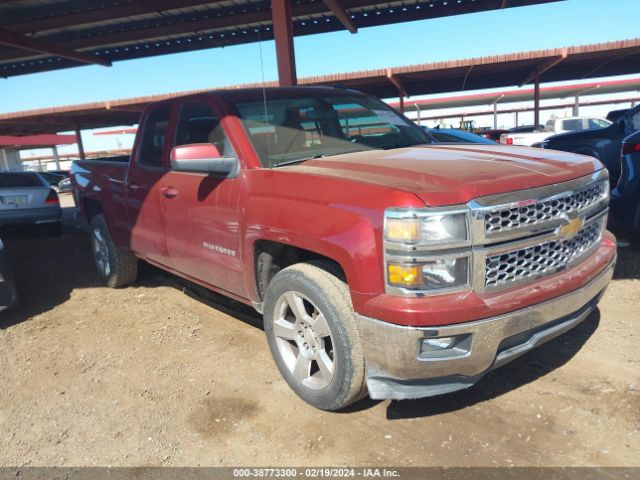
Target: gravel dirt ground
(154, 375)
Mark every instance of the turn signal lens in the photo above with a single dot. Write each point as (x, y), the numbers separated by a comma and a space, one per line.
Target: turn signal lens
(404, 275)
(402, 230)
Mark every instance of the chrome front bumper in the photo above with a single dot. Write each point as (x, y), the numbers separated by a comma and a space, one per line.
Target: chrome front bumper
(397, 369)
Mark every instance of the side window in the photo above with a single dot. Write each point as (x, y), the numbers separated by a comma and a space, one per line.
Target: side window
(197, 123)
(153, 136)
(573, 124)
(635, 121)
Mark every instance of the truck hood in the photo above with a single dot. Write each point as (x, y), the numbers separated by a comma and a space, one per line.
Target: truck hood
(454, 174)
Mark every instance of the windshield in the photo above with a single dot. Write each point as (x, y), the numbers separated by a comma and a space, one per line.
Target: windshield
(291, 130)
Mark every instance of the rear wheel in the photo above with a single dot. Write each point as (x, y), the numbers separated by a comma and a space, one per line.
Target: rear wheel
(313, 337)
(116, 267)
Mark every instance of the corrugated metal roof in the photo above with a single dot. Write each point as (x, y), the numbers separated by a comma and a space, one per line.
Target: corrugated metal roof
(115, 30)
(577, 62)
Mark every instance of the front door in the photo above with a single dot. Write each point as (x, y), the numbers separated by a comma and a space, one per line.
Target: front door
(202, 218)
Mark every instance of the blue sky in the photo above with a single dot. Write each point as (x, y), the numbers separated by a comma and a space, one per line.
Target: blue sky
(569, 22)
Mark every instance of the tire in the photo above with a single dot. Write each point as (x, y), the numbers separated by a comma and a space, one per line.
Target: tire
(323, 362)
(116, 267)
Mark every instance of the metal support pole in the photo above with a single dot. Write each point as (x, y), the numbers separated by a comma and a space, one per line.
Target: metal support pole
(56, 157)
(401, 102)
(80, 144)
(495, 116)
(5, 160)
(283, 34)
(419, 112)
(536, 99)
(576, 106)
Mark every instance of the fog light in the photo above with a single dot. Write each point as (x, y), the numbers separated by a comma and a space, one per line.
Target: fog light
(440, 343)
(443, 348)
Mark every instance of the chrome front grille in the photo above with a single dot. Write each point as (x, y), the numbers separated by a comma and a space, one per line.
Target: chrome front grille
(512, 267)
(507, 219)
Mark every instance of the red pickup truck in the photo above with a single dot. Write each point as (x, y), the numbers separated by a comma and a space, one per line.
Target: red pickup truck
(381, 264)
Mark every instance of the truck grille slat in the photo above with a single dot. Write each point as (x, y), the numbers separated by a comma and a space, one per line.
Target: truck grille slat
(504, 269)
(507, 219)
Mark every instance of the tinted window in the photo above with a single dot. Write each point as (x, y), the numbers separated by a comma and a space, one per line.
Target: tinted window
(572, 124)
(635, 121)
(12, 180)
(198, 124)
(598, 123)
(153, 136)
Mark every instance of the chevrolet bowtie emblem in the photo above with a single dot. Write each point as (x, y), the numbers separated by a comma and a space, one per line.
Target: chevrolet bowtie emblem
(571, 228)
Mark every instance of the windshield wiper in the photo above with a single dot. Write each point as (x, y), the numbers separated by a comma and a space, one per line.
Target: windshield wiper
(299, 160)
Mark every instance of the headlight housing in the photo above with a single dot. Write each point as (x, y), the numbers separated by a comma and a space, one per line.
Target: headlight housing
(427, 250)
(427, 228)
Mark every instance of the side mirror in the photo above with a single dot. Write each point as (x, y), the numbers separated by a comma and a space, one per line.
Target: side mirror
(202, 158)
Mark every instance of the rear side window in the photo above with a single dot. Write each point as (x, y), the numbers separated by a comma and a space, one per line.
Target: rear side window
(153, 137)
(635, 121)
(573, 124)
(13, 180)
(198, 123)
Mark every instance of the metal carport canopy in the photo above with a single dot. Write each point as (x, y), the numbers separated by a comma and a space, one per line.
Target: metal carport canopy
(614, 58)
(41, 35)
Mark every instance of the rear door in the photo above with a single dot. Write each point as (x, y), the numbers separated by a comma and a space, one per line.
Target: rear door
(202, 218)
(146, 170)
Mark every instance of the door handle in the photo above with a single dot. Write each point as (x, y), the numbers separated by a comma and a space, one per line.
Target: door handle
(169, 192)
(134, 186)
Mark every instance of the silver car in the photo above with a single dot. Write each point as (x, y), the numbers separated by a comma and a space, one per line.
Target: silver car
(26, 198)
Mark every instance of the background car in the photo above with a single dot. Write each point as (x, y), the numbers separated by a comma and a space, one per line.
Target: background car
(53, 179)
(27, 199)
(603, 143)
(8, 295)
(65, 185)
(493, 134)
(625, 198)
(452, 135)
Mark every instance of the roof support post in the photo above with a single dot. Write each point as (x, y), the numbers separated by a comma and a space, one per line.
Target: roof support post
(397, 82)
(283, 33)
(576, 106)
(419, 112)
(5, 160)
(56, 157)
(495, 111)
(536, 99)
(80, 144)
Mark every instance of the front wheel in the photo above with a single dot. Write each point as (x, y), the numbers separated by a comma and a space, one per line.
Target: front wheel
(116, 267)
(312, 333)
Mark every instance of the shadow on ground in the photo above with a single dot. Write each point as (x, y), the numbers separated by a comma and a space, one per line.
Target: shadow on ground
(46, 267)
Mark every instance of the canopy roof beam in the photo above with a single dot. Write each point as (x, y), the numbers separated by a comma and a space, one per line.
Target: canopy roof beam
(341, 14)
(32, 45)
(548, 65)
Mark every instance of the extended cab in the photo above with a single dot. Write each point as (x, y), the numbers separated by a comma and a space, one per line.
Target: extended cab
(381, 264)
(553, 127)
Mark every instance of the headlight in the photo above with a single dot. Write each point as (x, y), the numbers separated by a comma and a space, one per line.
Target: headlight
(443, 228)
(427, 249)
